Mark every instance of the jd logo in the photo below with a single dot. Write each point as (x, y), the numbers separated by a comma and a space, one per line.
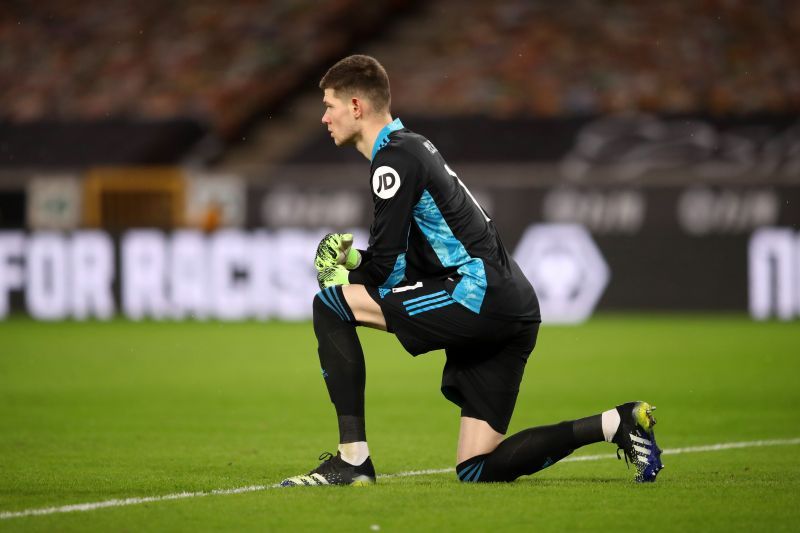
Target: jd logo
(385, 182)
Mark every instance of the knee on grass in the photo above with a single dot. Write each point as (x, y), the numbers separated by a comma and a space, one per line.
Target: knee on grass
(473, 470)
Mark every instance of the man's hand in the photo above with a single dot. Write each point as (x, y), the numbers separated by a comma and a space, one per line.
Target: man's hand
(334, 275)
(337, 249)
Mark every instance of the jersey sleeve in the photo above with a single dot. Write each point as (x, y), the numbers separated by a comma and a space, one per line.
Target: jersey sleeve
(396, 188)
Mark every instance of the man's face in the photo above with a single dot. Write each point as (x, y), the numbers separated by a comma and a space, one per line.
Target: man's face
(339, 119)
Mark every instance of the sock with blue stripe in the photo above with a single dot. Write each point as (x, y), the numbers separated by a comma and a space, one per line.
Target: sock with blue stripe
(531, 450)
(342, 361)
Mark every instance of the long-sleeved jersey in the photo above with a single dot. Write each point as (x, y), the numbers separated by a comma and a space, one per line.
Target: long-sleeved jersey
(427, 225)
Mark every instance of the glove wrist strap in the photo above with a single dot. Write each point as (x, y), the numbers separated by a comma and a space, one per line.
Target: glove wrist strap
(353, 259)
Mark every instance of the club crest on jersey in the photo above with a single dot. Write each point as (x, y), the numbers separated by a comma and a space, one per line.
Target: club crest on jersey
(385, 182)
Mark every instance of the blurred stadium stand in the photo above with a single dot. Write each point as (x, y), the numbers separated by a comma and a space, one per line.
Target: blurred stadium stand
(77, 73)
(224, 65)
(580, 57)
(503, 67)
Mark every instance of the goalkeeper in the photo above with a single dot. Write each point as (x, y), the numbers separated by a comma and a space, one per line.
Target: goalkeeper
(437, 276)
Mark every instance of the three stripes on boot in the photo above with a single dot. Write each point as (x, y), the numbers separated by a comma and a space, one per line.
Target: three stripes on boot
(642, 452)
(309, 480)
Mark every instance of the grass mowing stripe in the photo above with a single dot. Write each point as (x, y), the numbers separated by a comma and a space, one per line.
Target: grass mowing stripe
(255, 488)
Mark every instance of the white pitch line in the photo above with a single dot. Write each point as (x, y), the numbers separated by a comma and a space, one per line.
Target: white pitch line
(732, 445)
(695, 449)
(256, 488)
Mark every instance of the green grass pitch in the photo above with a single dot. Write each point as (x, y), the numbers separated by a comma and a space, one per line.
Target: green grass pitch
(91, 412)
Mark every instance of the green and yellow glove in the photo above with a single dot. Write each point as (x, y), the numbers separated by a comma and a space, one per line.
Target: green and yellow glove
(337, 249)
(333, 275)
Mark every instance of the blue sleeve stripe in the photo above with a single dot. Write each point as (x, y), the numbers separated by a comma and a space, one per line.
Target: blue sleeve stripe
(324, 297)
(431, 307)
(427, 302)
(341, 305)
(411, 301)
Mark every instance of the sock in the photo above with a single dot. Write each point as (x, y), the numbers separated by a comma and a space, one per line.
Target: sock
(610, 424)
(342, 361)
(351, 428)
(354, 453)
(531, 450)
(588, 430)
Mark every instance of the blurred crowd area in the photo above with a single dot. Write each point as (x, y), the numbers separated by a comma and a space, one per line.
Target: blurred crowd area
(223, 61)
(576, 57)
(218, 61)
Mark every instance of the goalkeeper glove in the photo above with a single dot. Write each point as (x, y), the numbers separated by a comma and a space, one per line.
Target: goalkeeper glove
(337, 249)
(334, 275)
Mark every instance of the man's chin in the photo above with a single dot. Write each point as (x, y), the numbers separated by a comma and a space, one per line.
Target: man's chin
(343, 142)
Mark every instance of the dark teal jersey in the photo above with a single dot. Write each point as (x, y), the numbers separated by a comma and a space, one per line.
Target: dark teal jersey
(427, 225)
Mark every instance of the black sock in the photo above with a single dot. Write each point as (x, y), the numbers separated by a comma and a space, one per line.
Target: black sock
(531, 450)
(588, 430)
(342, 361)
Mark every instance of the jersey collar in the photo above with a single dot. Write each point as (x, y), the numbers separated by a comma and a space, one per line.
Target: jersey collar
(383, 135)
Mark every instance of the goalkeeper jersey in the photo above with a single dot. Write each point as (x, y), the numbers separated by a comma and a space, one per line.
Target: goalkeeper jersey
(428, 225)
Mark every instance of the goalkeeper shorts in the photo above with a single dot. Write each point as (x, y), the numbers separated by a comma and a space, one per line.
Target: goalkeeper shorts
(486, 357)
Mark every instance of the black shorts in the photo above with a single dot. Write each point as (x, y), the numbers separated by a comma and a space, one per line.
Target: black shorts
(486, 357)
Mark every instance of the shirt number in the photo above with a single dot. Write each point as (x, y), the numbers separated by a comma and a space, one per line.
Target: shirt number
(450, 171)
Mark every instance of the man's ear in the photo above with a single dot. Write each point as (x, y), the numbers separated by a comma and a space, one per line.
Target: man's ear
(357, 107)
